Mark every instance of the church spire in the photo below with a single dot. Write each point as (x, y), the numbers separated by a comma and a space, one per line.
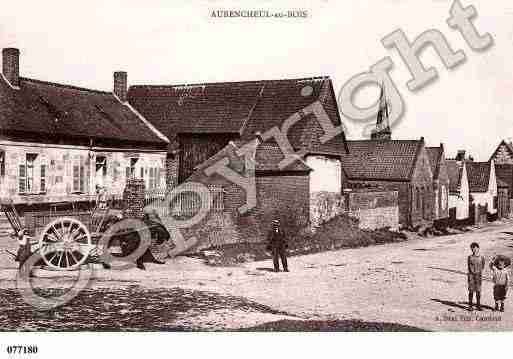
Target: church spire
(382, 130)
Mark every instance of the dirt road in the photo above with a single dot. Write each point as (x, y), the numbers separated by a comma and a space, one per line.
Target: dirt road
(419, 283)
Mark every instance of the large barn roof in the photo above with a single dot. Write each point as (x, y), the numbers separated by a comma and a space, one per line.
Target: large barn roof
(240, 108)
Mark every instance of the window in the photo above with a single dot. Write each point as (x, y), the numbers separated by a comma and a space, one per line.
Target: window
(419, 204)
(42, 185)
(101, 171)
(142, 173)
(22, 178)
(101, 165)
(130, 171)
(495, 202)
(78, 176)
(2, 163)
(26, 174)
(31, 158)
(444, 197)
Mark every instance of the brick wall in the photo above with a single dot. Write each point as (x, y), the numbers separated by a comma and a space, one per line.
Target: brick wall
(172, 170)
(133, 196)
(374, 209)
(286, 196)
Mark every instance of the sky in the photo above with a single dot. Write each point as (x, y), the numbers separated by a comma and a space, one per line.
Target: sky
(178, 42)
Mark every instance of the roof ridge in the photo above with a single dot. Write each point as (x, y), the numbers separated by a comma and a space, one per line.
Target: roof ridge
(71, 87)
(325, 77)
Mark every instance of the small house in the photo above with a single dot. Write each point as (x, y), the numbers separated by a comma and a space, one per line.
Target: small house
(483, 190)
(459, 194)
(400, 165)
(440, 182)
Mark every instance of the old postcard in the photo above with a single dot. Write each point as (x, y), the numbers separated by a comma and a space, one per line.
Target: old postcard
(170, 166)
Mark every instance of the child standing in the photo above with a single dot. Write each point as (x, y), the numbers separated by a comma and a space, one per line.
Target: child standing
(476, 264)
(500, 278)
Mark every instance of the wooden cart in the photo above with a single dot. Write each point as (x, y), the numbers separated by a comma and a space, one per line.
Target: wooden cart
(65, 243)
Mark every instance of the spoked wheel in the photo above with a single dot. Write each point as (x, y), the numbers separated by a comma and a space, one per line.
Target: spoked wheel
(65, 244)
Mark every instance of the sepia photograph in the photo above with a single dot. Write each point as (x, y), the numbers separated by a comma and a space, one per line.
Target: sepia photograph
(251, 167)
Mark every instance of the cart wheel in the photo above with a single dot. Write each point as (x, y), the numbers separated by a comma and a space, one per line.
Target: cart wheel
(65, 244)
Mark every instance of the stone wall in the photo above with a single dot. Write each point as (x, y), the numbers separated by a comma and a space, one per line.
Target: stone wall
(324, 206)
(374, 209)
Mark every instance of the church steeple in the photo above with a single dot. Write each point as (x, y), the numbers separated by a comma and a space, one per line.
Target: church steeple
(382, 130)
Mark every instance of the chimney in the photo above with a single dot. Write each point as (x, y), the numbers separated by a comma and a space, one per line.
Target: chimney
(120, 85)
(11, 65)
(460, 156)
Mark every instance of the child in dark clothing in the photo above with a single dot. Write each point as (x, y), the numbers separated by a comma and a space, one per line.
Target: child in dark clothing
(500, 278)
(476, 264)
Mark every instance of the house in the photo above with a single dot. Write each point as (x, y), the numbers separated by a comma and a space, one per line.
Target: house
(503, 154)
(58, 142)
(459, 195)
(440, 181)
(203, 119)
(483, 190)
(504, 173)
(400, 165)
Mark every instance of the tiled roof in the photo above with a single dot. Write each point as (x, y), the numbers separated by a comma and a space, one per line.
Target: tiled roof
(434, 154)
(241, 108)
(267, 158)
(509, 147)
(478, 176)
(454, 171)
(53, 109)
(381, 159)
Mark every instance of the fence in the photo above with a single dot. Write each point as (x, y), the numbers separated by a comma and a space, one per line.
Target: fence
(184, 204)
(35, 222)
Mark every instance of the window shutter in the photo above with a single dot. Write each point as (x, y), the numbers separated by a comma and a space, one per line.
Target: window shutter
(76, 178)
(150, 184)
(2, 163)
(43, 179)
(142, 172)
(82, 179)
(127, 173)
(22, 179)
(158, 177)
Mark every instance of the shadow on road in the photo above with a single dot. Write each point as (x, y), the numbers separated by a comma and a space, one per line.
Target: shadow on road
(331, 326)
(460, 305)
(448, 270)
(265, 269)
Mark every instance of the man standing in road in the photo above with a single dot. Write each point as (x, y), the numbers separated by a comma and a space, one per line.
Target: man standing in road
(277, 244)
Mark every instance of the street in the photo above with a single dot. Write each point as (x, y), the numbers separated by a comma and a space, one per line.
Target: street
(417, 284)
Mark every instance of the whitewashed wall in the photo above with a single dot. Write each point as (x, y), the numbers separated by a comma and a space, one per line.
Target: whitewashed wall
(59, 162)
